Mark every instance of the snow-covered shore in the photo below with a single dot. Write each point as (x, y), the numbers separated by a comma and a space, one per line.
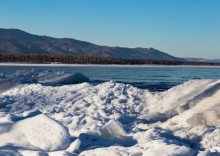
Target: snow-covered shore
(108, 119)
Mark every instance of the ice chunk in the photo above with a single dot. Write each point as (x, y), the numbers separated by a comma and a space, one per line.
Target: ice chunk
(113, 129)
(210, 116)
(196, 119)
(205, 153)
(33, 153)
(171, 150)
(61, 153)
(74, 146)
(68, 79)
(182, 108)
(45, 76)
(37, 133)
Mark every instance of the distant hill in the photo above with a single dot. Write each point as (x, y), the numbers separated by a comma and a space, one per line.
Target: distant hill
(20, 42)
(216, 60)
(201, 60)
(195, 59)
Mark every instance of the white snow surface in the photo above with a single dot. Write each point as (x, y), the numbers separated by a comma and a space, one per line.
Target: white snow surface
(111, 119)
(37, 133)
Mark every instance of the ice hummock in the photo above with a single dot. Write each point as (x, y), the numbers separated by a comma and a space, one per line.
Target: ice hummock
(74, 146)
(38, 75)
(113, 129)
(67, 79)
(82, 119)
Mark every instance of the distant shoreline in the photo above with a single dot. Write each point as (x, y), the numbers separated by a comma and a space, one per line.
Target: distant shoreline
(101, 65)
(63, 59)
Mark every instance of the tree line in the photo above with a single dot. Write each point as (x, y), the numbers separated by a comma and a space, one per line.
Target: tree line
(84, 59)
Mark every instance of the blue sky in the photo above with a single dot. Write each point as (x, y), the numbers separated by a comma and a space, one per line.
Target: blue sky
(183, 28)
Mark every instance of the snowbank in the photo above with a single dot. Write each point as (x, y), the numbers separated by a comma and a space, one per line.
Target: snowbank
(37, 133)
(168, 150)
(202, 108)
(183, 120)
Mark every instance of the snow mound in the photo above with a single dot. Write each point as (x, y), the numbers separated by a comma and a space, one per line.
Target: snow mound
(183, 120)
(212, 139)
(202, 108)
(37, 133)
(169, 150)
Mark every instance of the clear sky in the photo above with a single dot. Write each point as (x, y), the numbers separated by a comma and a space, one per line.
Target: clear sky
(183, 28)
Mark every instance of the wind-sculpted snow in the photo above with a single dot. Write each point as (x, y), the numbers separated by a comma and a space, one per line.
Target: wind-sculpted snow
(110, 119)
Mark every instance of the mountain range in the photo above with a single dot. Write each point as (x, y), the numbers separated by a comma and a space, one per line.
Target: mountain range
(20, 42)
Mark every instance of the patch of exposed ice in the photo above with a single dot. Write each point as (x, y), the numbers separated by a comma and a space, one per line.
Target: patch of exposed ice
(67, 79)
(113, 129)
(44, 76)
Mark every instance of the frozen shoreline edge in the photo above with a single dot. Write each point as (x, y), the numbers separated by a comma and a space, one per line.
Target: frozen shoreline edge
(102, 65)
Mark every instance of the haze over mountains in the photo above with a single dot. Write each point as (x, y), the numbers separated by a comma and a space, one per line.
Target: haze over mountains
(20, 42)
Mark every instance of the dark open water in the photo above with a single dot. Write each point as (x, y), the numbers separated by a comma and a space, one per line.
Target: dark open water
(154, 78)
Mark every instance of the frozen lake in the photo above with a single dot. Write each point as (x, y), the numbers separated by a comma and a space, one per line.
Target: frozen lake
(154, 78)
(44, 112)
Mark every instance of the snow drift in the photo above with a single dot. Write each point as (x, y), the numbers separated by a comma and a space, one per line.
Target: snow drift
(113, 118)
(37, 133)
